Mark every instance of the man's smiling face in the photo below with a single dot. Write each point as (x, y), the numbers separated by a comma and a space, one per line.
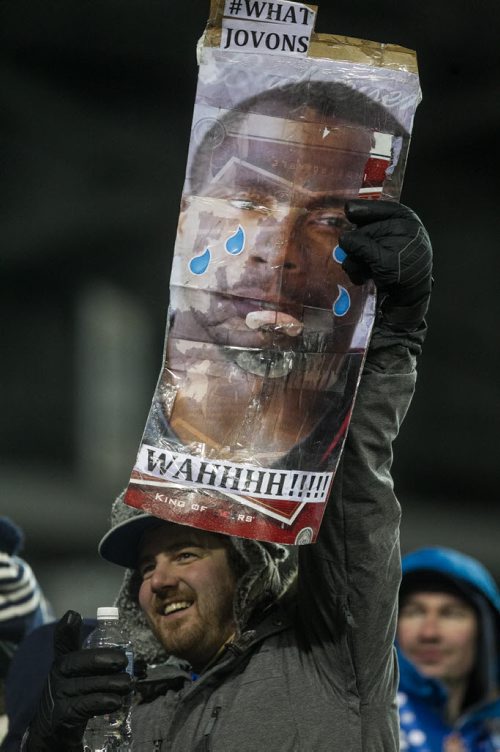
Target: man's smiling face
(438, 633)
(187, 591)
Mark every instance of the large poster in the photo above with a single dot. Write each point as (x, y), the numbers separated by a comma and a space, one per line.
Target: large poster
(266, 334)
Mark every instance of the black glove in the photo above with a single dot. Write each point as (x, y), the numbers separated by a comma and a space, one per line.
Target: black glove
(81, 684)
(391, 246)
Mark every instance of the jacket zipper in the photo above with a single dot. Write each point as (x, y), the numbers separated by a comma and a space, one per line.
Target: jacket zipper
(210, 727)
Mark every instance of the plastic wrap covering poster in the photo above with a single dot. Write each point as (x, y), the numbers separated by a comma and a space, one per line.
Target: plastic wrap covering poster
(266, 334)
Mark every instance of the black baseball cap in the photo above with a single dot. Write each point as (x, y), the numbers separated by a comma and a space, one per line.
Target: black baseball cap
(120, 545)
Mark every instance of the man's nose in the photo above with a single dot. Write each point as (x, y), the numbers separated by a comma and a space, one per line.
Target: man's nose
(277, 249)
(164, 576)
(430, 628)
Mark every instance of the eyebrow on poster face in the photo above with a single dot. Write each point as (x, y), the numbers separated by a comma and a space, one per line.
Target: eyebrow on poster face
(253, 186)
(262, 193)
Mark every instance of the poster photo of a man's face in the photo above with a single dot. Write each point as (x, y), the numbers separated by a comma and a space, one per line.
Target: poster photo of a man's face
(266, 333)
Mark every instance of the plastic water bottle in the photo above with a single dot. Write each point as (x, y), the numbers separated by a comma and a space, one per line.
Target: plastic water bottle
(110, 732)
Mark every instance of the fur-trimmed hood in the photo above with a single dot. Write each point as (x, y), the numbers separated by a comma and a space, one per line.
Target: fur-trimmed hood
(266, 572)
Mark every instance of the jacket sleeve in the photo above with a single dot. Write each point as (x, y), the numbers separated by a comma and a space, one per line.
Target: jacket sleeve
(348, 580)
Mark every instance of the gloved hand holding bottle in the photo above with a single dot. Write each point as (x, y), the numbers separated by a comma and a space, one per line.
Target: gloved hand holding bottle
(81, 684)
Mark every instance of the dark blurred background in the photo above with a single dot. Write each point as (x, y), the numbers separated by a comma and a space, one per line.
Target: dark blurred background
(97, 98)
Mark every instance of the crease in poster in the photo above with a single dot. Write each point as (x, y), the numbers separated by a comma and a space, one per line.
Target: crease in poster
(266, 334)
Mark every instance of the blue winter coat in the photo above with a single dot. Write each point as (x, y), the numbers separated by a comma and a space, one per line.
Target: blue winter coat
(422, 704)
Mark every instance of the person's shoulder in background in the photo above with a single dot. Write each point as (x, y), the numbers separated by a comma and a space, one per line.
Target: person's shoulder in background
(23, 606)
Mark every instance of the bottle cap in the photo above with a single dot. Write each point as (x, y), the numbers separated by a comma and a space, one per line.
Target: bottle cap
(107, 612)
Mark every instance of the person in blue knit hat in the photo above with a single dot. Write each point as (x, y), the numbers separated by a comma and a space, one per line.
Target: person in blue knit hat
(448, 642)
(22, 604)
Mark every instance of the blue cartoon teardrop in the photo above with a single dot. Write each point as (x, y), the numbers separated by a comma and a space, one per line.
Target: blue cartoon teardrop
(199, 264)
(339, 254)
(235, 243)
(343, 302)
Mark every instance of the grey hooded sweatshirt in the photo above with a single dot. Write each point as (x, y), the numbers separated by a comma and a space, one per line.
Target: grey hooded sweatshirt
(315, 670)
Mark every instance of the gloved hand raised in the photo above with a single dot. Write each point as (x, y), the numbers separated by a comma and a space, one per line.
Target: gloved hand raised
(81, 684)
(391, 246)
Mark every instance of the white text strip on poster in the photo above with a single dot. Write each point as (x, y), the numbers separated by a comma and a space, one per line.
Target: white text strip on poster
(264, 482)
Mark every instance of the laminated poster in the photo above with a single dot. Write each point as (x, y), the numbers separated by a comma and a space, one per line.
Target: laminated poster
(266, 335)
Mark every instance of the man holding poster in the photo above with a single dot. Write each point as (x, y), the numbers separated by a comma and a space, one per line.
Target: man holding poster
(280, 271)
(264, 652)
